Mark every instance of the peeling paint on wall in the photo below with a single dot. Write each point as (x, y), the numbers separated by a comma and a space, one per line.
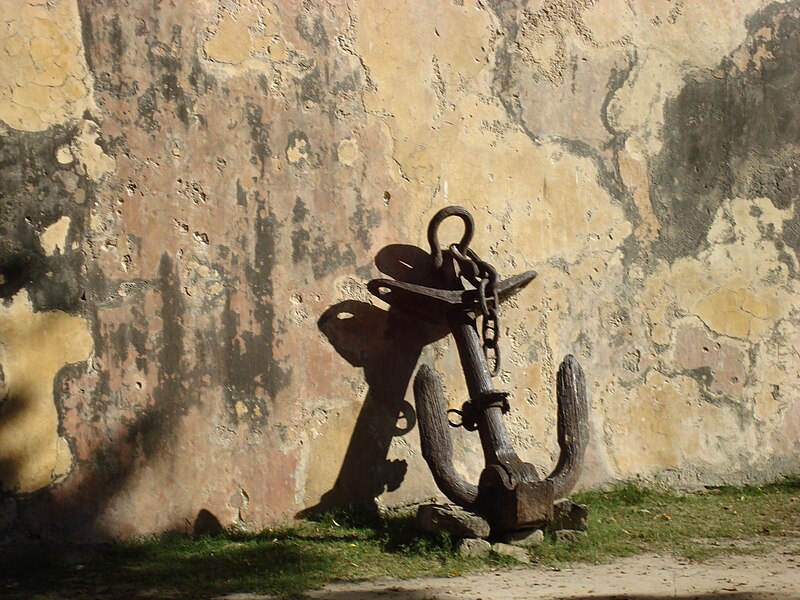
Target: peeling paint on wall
(45, 80)
(194, 197)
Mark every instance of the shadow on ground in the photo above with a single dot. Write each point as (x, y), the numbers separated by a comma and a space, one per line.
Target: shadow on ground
(286, 561)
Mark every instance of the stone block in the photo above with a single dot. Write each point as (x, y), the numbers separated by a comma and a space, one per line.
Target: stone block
(568, 536)
(435, 518)
(524, 537)
(473, 547)
(568, 515)
(517, 553)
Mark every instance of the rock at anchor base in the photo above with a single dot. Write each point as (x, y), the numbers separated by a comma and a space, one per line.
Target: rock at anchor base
(517, 553)
(568, 536)
(524, 537)
(435, 518)
(473, 548)
(568, 515)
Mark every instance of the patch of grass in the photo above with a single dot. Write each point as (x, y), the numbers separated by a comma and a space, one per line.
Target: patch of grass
(289, 560)
(285, 560)
(634, 519)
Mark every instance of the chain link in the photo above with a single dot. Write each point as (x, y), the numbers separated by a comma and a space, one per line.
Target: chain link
(483, 276)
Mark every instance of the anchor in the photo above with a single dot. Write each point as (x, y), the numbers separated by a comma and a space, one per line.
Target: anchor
(510, 492)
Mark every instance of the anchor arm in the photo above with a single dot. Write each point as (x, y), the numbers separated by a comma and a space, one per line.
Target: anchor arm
(437, 447)
(573, 426)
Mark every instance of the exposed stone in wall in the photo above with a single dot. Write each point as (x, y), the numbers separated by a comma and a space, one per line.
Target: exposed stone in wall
(194, 196)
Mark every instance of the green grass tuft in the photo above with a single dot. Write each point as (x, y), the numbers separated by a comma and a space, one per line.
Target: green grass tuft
(290, 560)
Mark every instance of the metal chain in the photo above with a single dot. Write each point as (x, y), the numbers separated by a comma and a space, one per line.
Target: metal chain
(484, 277)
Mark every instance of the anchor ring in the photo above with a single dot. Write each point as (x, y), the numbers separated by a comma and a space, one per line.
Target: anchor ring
(433, 231)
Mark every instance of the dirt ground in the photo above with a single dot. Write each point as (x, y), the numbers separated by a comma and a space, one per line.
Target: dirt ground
(773, 576)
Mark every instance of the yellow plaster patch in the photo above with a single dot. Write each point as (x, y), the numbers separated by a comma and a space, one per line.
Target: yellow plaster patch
(609, 21)
(297, 151)
(661, 334)
(90, 156)
(348, 151)
(664, 425)
(633, 169)
(722, 312)
(44, 80)
(741, 313)
(433, 76)
(277, 50)
(34, 347)
(732, 286)
(249, 37)
(241, 409)
(64, 155)
(416, 53)
(231, 43)
(55, 237)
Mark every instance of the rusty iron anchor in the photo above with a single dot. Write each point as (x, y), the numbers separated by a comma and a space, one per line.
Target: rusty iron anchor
(510, 492)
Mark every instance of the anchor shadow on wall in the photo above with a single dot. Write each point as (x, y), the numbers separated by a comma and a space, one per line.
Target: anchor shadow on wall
(387, 346)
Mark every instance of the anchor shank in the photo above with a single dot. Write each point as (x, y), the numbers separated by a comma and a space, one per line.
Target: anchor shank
(496, 443)
(479, 383)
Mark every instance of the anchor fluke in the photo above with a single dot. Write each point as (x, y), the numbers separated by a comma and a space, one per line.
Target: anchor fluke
(437, 447)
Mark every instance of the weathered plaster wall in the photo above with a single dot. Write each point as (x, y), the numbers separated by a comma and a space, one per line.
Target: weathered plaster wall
(194, 195)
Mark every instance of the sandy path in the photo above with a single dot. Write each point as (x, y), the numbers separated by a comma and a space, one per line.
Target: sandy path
(771, 576)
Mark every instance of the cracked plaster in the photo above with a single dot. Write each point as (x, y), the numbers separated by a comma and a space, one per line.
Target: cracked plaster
(44, 80)
(230, 172)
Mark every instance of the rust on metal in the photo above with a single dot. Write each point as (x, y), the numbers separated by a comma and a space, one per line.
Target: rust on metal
(466, 295)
